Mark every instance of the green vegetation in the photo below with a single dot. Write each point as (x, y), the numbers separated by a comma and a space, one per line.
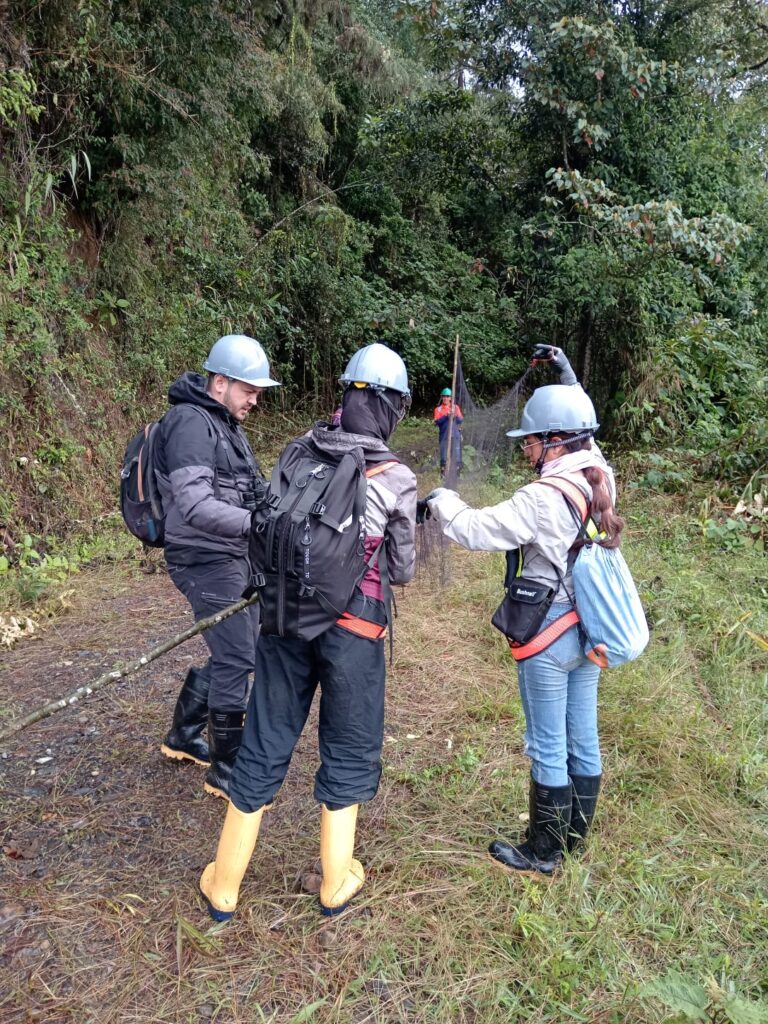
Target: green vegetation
(661, 921)
(325, 174)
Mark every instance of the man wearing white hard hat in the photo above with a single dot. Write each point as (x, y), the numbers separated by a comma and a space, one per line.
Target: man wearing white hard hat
(210, 483)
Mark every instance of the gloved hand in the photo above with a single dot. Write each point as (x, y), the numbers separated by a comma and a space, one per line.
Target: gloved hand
(558, 358)
(422, 512)
(422, 507)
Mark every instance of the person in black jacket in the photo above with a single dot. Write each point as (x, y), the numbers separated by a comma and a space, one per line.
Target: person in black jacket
(345, 658)
(210, 483)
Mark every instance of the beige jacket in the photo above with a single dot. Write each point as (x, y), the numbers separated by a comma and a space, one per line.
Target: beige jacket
(536, 518)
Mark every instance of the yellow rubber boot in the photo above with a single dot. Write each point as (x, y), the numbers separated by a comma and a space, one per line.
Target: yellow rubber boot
(343, 876)
(220, 882)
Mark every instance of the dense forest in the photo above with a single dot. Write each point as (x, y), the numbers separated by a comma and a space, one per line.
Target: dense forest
(323, 174)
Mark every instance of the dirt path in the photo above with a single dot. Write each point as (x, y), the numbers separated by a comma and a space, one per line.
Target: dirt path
(103, 839)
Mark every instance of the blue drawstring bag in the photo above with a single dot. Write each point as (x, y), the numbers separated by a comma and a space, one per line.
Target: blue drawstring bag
(608, 606)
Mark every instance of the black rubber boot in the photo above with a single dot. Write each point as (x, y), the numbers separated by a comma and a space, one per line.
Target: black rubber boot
(585, 791)
(541, 853)
(184, 741)
(225, 733)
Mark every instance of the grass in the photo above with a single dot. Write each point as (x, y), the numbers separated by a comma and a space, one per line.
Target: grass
(674, 878)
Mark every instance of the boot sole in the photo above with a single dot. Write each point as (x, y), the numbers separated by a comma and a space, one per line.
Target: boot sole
(214, 791)
(181, 755)
(343, 907)
(334, 911)
(539, 876)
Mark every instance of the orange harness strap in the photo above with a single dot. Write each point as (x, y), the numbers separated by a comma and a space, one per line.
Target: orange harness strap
(375, 470)
(544, 639)
(361, 627)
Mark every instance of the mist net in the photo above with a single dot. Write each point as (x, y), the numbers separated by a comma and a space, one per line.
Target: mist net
(484, 446)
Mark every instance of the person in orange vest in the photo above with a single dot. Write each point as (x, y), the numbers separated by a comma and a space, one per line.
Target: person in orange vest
(442, 418)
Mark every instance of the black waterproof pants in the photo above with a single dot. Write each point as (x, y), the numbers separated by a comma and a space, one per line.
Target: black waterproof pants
(350, 671)
(209, 587)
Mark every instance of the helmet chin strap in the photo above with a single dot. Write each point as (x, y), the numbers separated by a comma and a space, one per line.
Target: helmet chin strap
(556, 444)
(404, 402)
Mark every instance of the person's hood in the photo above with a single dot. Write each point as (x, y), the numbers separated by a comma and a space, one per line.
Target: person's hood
(190, 388)
(572, 462)
(370, 413)
(337, 441)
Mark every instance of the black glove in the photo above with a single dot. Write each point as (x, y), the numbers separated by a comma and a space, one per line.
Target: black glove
(558, 358)
(422, 511)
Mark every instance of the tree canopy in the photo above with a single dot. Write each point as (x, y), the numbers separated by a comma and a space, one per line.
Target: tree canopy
(322, 175)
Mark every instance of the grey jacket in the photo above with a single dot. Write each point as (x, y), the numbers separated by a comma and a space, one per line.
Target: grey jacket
(205, 470)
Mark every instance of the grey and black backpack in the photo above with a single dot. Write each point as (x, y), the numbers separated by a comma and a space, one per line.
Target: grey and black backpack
(307, 542)
(140, 501)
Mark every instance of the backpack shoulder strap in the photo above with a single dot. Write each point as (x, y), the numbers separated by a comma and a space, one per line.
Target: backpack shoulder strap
(146, 463)
(578, 504)
(574, 495)
(214, 428)
(379, 557)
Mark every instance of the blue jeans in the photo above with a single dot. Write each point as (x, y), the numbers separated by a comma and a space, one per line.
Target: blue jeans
(559, 693)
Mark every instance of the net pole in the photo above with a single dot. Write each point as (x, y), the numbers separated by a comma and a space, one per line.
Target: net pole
(448, 459)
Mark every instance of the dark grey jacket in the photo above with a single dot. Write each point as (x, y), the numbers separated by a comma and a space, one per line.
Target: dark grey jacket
(205, 469)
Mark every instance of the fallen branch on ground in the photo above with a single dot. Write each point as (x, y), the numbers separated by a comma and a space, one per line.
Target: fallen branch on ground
(126, 670)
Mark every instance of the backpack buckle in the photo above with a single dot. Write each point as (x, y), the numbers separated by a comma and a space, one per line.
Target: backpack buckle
(273, 500)
(305, 591)
(258, 579)
(318, 509)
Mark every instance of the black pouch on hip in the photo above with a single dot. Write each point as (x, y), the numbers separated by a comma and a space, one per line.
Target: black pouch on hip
(521, 613)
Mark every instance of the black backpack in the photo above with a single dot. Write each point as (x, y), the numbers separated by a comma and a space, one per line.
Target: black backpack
(307, 540)
(140, 501)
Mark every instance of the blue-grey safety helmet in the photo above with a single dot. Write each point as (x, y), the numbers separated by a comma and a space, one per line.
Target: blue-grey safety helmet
(557, 408)
(241, 358)
(379, 368)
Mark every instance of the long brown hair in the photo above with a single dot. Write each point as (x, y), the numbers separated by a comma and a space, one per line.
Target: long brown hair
(602, 506)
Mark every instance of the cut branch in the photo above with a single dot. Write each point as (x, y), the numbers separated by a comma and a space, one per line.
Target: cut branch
(756, 67)
(124, 670)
